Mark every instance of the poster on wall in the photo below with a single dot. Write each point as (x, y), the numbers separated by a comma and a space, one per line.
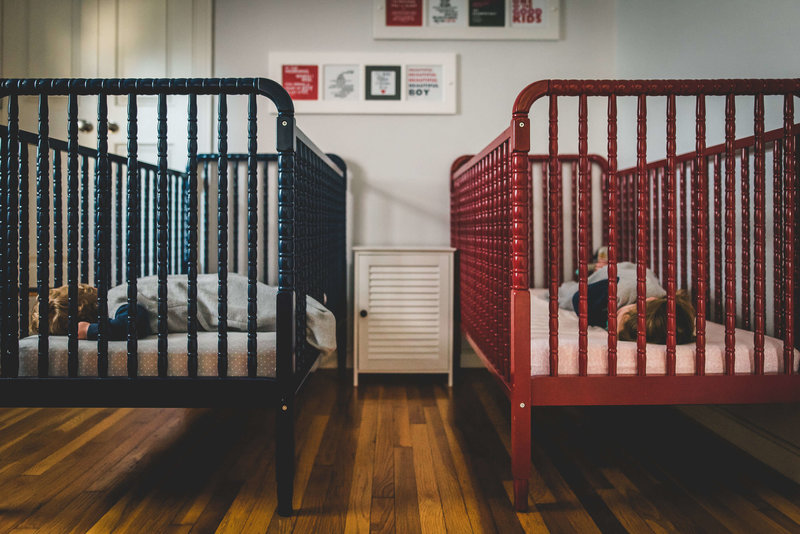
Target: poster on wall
(487, 13)
(526, 13)
(300, 81)
(383, 83)
(341, 82)
(447, 13)
(466, 19)
(424, 82)
(404, 12)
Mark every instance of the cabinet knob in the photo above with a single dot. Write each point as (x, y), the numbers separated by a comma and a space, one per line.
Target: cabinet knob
(363, 313)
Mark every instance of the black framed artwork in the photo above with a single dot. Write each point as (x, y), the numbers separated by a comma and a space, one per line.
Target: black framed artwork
(382, 82)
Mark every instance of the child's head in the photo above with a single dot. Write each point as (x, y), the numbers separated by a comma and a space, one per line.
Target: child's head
(58, 309)
(656, 321)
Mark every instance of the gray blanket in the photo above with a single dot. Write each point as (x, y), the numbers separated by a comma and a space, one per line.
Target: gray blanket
(320, 324)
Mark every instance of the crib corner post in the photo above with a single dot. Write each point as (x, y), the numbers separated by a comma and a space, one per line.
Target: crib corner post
(284, 453)
(520, 396)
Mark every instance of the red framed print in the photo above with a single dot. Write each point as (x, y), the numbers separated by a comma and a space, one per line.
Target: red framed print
(301, 81)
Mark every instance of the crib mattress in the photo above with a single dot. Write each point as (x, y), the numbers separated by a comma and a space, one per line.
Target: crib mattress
(177, 359)
(597, 359)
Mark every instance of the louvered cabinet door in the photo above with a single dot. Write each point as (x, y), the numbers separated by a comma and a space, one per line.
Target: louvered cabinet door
(404, 311)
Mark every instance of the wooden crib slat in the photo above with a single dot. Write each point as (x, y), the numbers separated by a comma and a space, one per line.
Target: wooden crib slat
(24, 260)
(561, 211)
(85, 220)
(146, 204)
(659, 221)
(206, 201)
(730, 234)
(100, 220)
(612, 240)
(717, 238)
(118, 224)
(642, 203)
(759, 300)
(235, 215)
(252, 237)
(745, 252)
(222, 238)
(58, 243)
(671, 236)
(555, 258)
(790, 185)
(163, 243)
(191, 250)
(684, 266)
(72, 235)
(777, 202)
(133, 228)
(12, 178)
(4, 179)
(265, 217)
(701, 181)
(573, 170)
(43, 236)
(583, 237)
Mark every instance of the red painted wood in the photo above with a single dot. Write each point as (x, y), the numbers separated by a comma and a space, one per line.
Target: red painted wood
(730, 234)
(717, 238)
(790, 185)
(613, 201)
(777, 188)
(583, 237)
(664, 390)
(701, 297)
(760, 281)
(683, 218)
(642, 202)
(555, 256)
(745, 252)
(658, 222)
(573, 168)
(671, 235)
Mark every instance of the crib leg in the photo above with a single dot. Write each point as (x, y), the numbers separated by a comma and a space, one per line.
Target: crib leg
(284, 456)
(521, 453)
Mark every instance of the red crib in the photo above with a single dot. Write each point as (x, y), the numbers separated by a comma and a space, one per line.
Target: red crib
(678, 216)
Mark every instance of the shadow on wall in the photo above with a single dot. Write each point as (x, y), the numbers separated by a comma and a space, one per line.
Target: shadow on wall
(394, 210)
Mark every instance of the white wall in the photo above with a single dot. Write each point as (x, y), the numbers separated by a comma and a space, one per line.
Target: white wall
(400, 165)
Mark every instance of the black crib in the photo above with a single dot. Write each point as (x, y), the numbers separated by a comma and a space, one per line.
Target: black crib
(161, 231)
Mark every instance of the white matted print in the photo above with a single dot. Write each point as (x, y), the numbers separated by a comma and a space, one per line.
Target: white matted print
(447, 13)
(415, 83)
(424, 82)
(341, 82)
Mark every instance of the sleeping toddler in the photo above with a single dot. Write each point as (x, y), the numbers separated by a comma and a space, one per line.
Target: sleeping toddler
(627, 323)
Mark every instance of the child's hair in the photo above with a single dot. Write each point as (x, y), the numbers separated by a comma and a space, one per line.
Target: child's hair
(58, 309)
(656, 321)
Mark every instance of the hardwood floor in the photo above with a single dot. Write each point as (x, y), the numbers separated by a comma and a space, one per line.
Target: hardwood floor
(399, 453)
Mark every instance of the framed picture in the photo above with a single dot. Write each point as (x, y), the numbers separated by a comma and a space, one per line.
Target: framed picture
(466, 19)
(383, 83)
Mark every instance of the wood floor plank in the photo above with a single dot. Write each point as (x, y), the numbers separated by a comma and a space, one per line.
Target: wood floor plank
(406, 504)
(381, 518)
(383, 479)
(430, 507)
(358, 509)
(480, 517)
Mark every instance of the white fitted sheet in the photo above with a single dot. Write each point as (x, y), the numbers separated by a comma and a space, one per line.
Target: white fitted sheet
(626, 350)
(177, 356)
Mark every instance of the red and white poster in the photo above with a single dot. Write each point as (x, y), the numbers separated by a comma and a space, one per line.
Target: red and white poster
(404, 12)
(301, 81)
(527, 13)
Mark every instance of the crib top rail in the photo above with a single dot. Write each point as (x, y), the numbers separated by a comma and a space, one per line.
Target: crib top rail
(150, 86)
(721, 87)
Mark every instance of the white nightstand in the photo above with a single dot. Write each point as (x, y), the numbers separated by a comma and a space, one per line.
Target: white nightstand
(403, 311)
